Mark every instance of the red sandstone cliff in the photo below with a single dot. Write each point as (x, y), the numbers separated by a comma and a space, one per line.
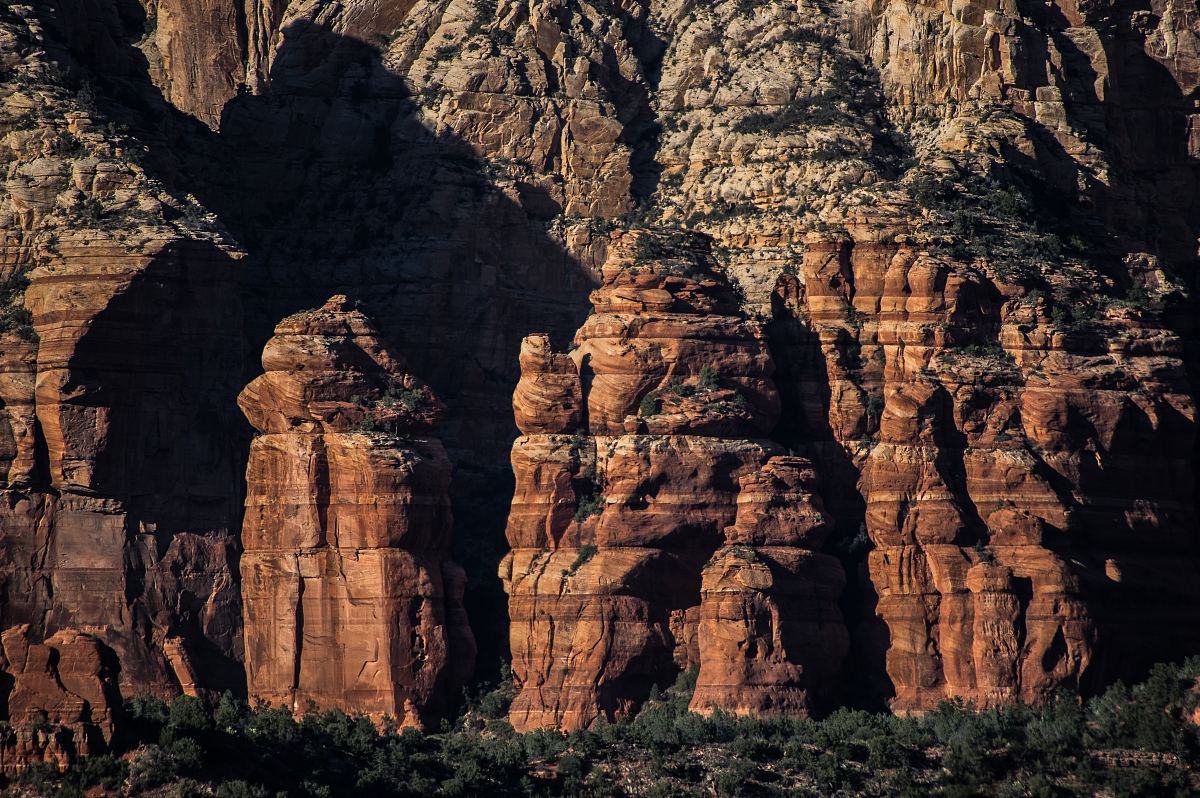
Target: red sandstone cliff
(351, 600)
(1006, 413)
(120, 347)
(1021, 493)
(770, 637)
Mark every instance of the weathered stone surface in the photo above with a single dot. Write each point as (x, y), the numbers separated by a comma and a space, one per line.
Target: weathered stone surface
(61, 698)
(548, 398)
(460, 169)
(771, 637)
(351, 600)
(1007, 495)
(120, 353)
(198, 71)
(666, 331)
(611, 527)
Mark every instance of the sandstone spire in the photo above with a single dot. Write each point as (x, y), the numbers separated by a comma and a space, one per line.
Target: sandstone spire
(627, 476)
(351, 601)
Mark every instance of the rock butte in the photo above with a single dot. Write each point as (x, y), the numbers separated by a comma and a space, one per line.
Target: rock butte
(351, 601)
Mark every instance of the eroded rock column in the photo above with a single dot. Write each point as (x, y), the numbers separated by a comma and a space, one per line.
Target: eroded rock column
(1025, 487)
(635, 448)
(771, 636)
(351, 600)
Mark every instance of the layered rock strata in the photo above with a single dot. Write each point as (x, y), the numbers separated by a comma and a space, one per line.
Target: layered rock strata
(1021, 491)
(457, 163)
(120, 355)
(351, 600)
(637, 445)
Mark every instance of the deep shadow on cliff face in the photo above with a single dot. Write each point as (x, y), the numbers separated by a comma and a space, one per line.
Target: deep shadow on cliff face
(1140, 118)
(123, 522)
(143, 497)
(335, 186)
(329, 183)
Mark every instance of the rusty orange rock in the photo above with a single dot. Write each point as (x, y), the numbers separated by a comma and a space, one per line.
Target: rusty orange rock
(612, 526)
(1013, 509)
(63, 702)
(771, 635)
(351, 600)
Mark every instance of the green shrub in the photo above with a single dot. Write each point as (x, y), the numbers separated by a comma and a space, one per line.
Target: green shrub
(1003, 224)
(234, 751)
(587, 506)
(873, 406)
(68, 145)
(1150, 717)
(661, 244)
(410, 399)
(744, 553)
(494, 703)
(984, 552)
(445, 52)
(586, 553)
(240, 789)
(736, 779)
(152, 767)
(14, 317)
(188, 714)
(852, 547)
(188, 755)
(991, 352)
(650, 405)
(801, 112)
(681, 389)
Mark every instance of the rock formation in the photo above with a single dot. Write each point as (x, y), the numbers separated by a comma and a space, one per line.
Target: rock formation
(1010, 485)
(979, 221)
(60, 698)
(351, 600)
(771, 639)
(120, 354)
(641, 446)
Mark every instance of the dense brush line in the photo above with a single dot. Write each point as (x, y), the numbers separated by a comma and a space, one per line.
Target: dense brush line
(1138, 741)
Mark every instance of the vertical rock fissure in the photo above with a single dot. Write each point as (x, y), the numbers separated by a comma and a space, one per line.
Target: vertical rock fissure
(293, 691)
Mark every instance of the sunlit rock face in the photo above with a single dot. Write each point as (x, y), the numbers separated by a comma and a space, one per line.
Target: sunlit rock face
(351, 601)
(970, 229)
(653, 527)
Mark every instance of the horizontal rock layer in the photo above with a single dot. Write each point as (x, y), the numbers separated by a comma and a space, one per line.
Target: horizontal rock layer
(460, 169)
